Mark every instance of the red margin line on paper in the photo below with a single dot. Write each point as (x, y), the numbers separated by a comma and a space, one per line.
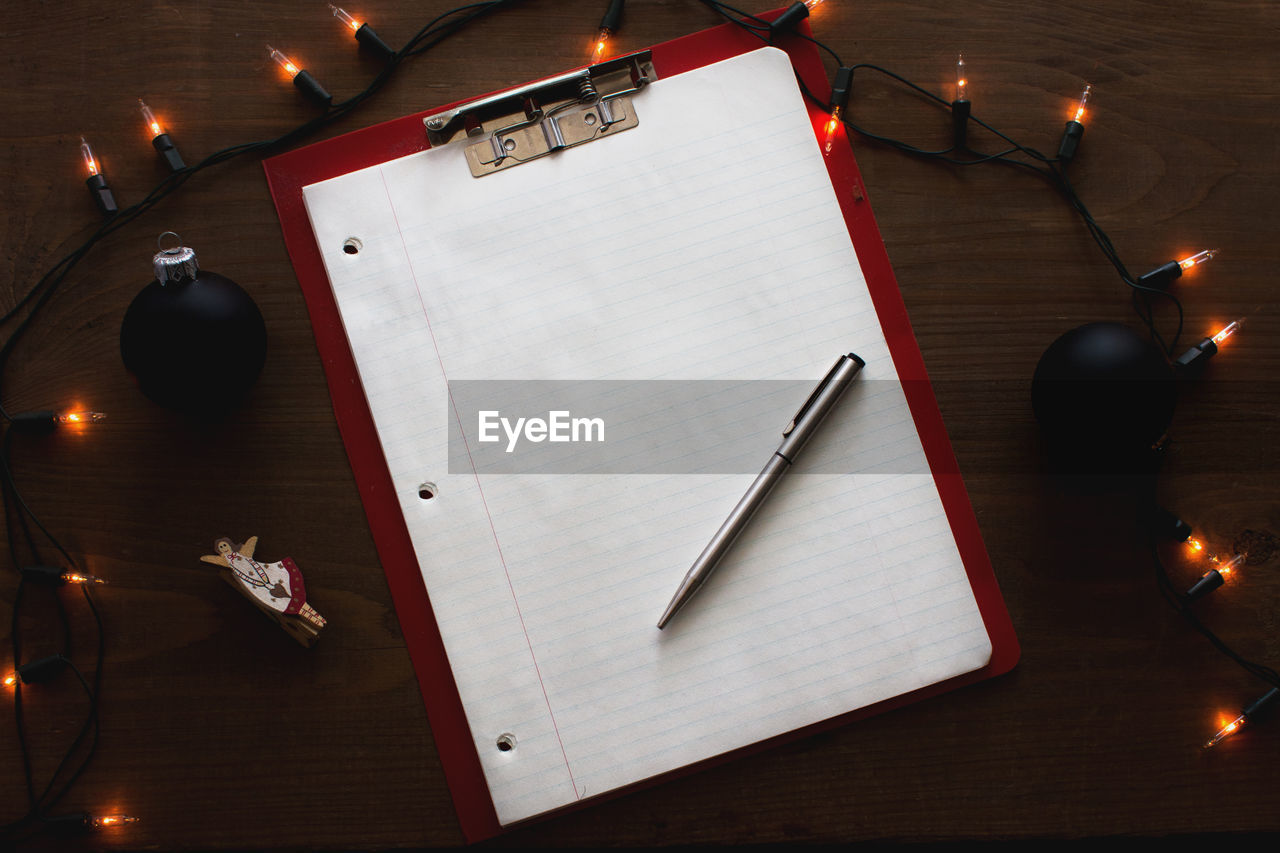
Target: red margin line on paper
(515, 601)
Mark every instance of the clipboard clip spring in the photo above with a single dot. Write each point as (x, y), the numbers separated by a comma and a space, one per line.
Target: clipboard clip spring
(533, 121)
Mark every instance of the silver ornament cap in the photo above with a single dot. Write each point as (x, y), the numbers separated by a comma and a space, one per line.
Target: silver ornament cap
(176, 263)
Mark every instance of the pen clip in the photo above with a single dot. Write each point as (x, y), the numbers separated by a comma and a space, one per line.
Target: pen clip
(813, 395)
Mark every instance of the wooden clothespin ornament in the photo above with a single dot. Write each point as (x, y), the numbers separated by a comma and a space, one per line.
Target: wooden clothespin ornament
(276, 588)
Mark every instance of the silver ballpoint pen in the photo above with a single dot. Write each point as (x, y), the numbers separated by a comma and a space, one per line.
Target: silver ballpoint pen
(797, 434)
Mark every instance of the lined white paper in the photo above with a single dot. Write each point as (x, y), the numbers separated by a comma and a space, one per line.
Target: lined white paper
(706, 243)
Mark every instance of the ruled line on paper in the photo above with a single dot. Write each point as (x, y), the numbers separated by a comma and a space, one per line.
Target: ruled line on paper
(479, 487)
(669, 253)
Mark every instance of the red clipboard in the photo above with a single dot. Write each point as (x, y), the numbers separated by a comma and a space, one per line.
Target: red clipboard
(288, 173)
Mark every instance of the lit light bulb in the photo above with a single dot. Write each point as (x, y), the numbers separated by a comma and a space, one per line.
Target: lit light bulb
(609, 25)
(1162, 275)
(75, 577)
(342, 15)
(55, 576)
(832, 125)
(960, 108)
(160, 139)
(96, 182)
(149, 118)
(813, 4)
(841, 86)
(1198, 546)
(1074, 130)
(1227, 731)
(1216, 575)
(99, 821)
(10, 679)
(1226, 332)
(302, 79)
(597, 52)
(1196, 356)
(90, 161)
(1247, 715)
(81, 417)
(283, 61)
(1084, 99)
(363, 32)
(1197, 259)
(1231, 565)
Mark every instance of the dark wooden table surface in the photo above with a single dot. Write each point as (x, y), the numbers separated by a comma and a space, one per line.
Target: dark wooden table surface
(218, 731)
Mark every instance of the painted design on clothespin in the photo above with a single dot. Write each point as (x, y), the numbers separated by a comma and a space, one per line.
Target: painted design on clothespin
(276, 588)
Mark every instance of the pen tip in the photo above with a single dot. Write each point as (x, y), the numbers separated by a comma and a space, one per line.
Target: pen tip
(670, 611)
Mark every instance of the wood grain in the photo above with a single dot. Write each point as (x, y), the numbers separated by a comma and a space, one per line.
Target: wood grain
(219, 731)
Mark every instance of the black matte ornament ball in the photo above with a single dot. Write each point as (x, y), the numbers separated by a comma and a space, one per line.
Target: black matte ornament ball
(193, 339)
(1104, 395)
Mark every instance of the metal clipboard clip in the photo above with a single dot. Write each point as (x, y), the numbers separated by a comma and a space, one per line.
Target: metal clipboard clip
(524, 124)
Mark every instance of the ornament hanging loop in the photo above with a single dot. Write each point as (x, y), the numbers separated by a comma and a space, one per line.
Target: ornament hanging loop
(176, 263)
(172, 250)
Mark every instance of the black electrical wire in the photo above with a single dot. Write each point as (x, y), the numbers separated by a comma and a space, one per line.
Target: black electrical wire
(43, 801)
(90, 725)
(6, 469)
(1051, 169)
(1182, 605)
(438, 29)
(17, 702)
(430, 35)
(435, 31)
(1178, 601)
